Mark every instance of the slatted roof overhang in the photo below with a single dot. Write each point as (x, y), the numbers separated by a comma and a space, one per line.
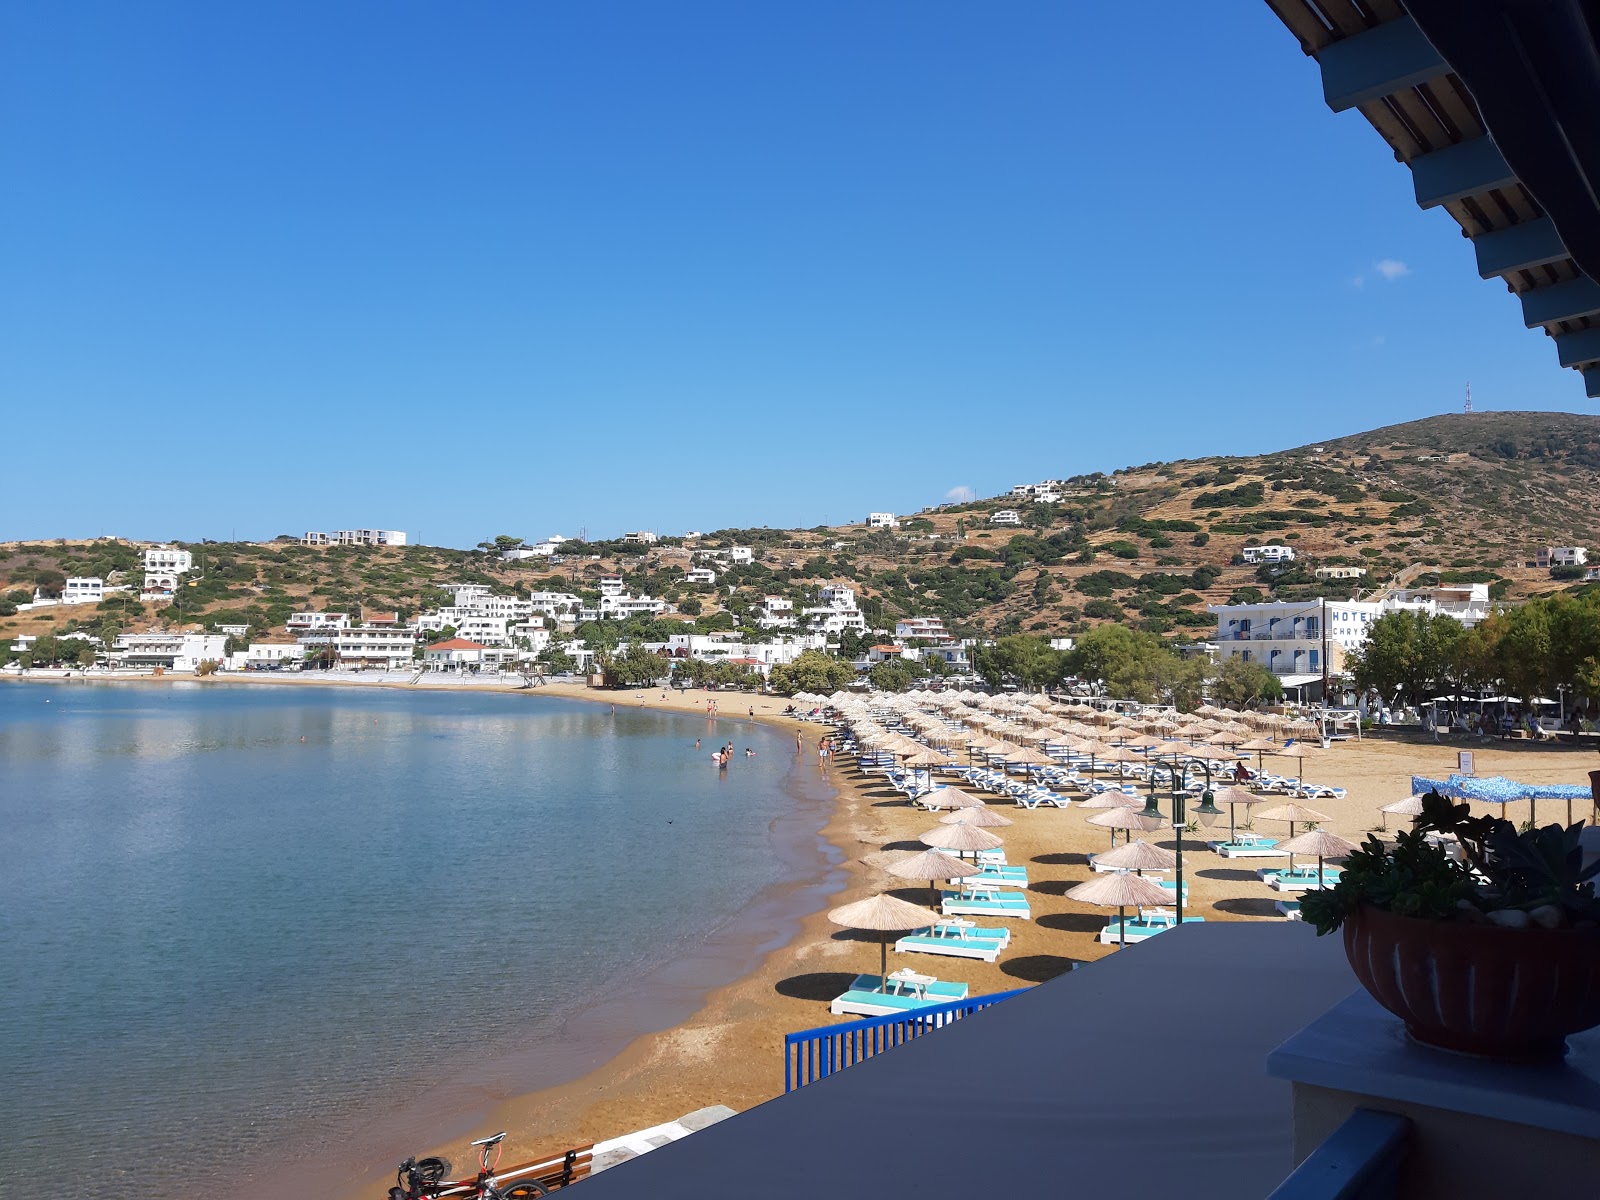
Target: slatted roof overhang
(1495, 107)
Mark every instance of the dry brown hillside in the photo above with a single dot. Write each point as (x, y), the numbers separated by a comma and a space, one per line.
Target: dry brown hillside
(1464, 498)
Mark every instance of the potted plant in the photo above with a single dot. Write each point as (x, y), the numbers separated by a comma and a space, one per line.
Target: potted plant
(1495, 953)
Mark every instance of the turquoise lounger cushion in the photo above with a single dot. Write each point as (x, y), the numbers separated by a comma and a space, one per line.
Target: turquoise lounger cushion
(985, 944)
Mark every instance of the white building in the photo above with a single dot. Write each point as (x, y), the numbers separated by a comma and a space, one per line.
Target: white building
(356, 537)
(699, 575)
(453, 654)
(170, 651)
(1062, 643)
(1340, 572)
(929, 629)
(265, 656)
(162, 566)
(775, 612)
(619, 607)
(83, 589)
(1466, 602)
(1288, 638)
(544, 549)
(1006, 516)
(1562, 556)
(361, 646)
(837, 595)
(237, 631)
(1267, 554)
(318, 620)
(642, 537)
(882, 520)
(735, 555)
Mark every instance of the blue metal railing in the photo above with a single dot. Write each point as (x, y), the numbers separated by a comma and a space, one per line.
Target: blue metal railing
(813, 1053)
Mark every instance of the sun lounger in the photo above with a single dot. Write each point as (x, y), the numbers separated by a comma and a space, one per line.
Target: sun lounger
(1248, 845)
(985, 901)
(1301, 879)
(1150, 922)
(956, 938)
(998, 876)
(1289, 908)
(1106, 869)
(866, 996)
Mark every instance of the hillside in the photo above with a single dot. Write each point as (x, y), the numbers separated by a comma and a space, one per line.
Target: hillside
(1467, 496)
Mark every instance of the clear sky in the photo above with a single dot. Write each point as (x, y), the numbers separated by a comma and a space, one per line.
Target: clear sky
(533, 268)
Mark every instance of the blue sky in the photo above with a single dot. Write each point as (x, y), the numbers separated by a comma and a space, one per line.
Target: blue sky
(531, 268)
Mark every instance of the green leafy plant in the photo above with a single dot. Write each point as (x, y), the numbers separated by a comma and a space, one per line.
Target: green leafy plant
(1538, 873)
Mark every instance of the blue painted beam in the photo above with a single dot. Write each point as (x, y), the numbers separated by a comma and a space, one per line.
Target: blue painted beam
(1369, 66)
(1361, 1160)
(1565, 301)
(1591, 383)
(1459, 171)
(1520, 248)
(1581, 349)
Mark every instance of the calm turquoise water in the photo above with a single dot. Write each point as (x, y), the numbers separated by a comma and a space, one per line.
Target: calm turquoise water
(236, 919)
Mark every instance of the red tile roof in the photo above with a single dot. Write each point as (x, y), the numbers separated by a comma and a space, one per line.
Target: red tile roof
(454, 644)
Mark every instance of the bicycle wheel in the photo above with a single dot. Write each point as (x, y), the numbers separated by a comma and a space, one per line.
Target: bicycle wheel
(525, 1190)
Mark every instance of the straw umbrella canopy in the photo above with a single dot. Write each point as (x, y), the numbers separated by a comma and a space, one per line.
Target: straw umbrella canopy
(952, 797)
(1119, 755)
(879, 860)
(963, 839)
(1119, 891)
(1138, 857)
(932, 865)
(1411, 806)
(882, 914)
(1259, 746)
(1292, 813)
(1319, 842)
(1232, 796)
(1121, 818)
(1301, 751)
(983, 817)
(1111, 799)
(1227, 737)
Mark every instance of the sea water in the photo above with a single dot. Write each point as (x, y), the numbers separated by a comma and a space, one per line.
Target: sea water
(235, 920)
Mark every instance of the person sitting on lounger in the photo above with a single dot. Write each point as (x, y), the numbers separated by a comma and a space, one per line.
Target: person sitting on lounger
(1241, 774)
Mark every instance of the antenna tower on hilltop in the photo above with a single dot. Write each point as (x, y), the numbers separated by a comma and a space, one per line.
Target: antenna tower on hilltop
(1468, 408)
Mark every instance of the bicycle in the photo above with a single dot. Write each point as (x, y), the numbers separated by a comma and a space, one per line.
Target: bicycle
(424, 1178)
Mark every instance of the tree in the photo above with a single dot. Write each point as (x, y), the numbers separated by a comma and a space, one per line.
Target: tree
(893, 674)
(1408, 654)
(1029, 661)
(636, 665)
(812, 671)
(1239, 684)
(1138, 666)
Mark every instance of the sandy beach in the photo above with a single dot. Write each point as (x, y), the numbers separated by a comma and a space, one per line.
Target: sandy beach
(730, 1050)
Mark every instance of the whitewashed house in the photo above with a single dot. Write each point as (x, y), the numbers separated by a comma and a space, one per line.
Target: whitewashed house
(882, 520)
(1005, 516)
(1267, 554)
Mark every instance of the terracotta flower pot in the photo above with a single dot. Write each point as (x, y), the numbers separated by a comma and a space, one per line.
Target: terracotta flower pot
(1479, 989)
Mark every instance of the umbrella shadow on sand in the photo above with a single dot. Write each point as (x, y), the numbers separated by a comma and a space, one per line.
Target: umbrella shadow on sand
(817, 985)
(1072, 922)
(1229, 875)
(1036, 968)
(1248, 906)
(910, 844)
(1073, 859)
(1051, 887)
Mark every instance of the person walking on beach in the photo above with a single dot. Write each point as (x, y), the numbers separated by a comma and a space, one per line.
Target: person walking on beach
(752, 712)
(799, 742)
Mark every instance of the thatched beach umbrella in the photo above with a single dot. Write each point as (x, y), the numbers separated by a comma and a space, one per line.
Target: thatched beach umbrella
(1259, 746)
(1294, 812)
(1121, 818)
(1301, 750)
(952, 797)
(932, 865)
(1411, 806)
(883, 914)
(963, 839)
(1111, 799)
(1138, 857)
(1319, 842)
(983, 817)
(1119, 891)
(1233, 795)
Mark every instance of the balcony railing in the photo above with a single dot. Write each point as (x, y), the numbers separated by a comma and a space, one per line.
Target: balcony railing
(813, 1053)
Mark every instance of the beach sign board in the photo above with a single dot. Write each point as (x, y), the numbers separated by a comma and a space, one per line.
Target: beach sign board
(1464, 762)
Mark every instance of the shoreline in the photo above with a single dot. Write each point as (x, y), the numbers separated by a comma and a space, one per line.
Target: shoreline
(607, 1077)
